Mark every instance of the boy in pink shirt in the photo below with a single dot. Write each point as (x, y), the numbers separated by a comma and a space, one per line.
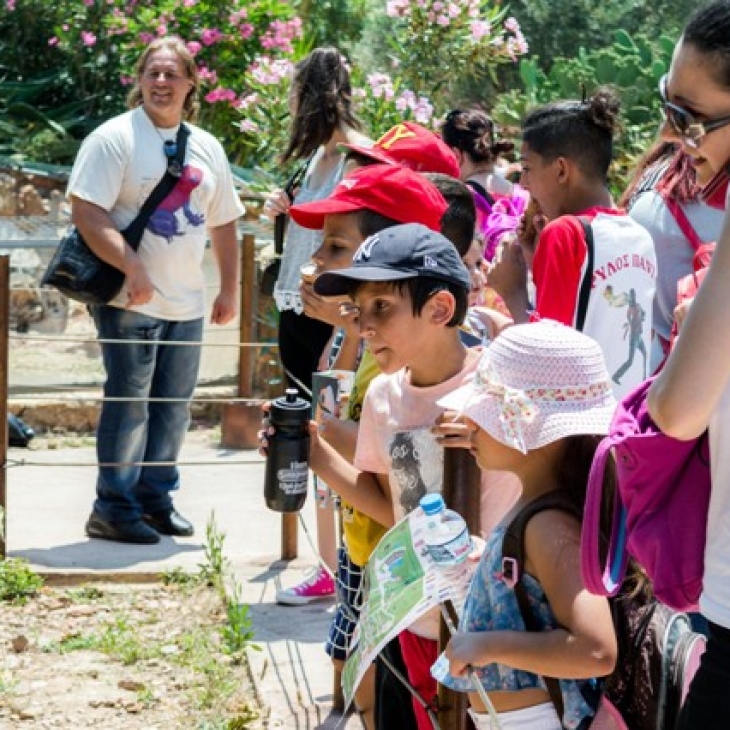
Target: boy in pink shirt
(411, 290)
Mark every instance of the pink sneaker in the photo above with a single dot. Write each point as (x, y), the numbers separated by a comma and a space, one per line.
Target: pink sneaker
(319, 585)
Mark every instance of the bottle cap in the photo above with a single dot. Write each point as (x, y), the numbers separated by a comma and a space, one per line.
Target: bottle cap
(432, 503)
(290, 410)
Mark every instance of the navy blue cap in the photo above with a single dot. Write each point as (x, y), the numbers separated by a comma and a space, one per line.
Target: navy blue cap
(396, 253)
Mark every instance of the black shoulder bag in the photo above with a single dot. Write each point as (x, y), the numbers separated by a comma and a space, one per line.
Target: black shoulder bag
(271, 273)
(76, 271)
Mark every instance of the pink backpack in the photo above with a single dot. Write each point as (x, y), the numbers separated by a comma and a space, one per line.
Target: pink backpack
(660, 514)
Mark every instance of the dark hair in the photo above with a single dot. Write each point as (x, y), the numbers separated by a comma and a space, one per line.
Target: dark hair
(360, 159)
(572, 476)
(369, 222)
(473, 132)
(420, 289)
(579, 131)
(665, 164)
(321, 86)
(176, 45)
(708, 30)
(458, 223)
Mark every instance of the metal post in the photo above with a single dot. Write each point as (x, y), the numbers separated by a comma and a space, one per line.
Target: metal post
(246, 324)
(462, 483)
(289, 535)
(4, 333)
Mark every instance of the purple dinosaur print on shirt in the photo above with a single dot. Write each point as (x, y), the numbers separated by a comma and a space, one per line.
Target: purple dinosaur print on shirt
(163, 221)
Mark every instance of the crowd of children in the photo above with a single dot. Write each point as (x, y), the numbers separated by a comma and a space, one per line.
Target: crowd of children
(521, 309)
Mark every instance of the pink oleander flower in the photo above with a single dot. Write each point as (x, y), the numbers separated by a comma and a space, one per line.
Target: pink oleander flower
(516, 46)
(437, 7)
(88, 38)
(246, 30)
(407, 100)
(454, 10)
(194, 47)
(479, 29)
(512, 25)
(210, 36)
(381, 86)
(53, 41)
(423, 110)
(280, 35)
(247, 126)
(146, 38)
(269, 72)
(125, 80)
(443, 20)
(88, 3)
(238, 16)
(207, 75)
(245, 102)
(220, 94)
(161, 30)
(397, 8)
(190, 3)
(10, 5)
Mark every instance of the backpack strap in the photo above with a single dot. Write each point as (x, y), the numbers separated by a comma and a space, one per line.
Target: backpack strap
(585, 286)
(513, 561)
(599, 580)
(681, 219)
(479, 188)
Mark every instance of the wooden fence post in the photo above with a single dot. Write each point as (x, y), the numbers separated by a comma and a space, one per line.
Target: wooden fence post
(462, 487)
(4, 334)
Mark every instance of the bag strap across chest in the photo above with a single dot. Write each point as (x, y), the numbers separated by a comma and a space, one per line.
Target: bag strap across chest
(513, 565)
(135, 230)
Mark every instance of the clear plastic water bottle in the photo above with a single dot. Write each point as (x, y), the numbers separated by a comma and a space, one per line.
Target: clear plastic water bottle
(287, 461)
(447, 535)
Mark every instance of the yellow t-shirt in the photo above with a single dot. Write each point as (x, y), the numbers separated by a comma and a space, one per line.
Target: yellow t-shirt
(361, 532)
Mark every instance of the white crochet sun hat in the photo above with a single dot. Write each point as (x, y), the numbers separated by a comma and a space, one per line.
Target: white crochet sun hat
(538, 383)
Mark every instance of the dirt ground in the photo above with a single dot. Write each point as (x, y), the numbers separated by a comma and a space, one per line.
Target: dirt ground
(122, 656)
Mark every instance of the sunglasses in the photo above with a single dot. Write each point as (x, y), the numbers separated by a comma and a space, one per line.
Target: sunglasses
(684, 123)
(170, 149)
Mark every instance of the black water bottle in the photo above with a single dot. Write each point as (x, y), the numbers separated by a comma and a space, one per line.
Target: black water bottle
(287, 462)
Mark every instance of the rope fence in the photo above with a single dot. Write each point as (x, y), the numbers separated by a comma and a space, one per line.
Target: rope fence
(240, 412)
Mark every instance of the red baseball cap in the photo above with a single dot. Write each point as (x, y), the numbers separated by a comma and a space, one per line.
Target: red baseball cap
(393, 191)
(411, 145)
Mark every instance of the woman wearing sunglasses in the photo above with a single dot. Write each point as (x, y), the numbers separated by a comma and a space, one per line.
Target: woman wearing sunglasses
(692, 392)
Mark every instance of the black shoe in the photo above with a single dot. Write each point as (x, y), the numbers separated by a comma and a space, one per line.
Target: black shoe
(170, 523)
(135, 531)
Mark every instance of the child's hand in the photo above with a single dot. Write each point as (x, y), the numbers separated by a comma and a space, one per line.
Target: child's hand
(452, 431)
(325, 309)
(507, 274)
(266, 429)
(277, 203)
(478, 545)
(493, 320)
(460, 652)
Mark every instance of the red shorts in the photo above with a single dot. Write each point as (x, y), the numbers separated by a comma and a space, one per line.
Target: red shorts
(419, 654)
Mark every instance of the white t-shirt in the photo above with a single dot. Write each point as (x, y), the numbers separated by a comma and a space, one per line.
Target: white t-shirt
(674, 252)
(395, 439)
(715, 599)
(119, 165)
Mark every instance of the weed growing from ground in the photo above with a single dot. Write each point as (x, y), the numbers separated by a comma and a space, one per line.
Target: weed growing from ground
(215, 566)
(17, 581)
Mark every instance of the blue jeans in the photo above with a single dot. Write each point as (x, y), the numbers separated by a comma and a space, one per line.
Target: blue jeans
(132, 432)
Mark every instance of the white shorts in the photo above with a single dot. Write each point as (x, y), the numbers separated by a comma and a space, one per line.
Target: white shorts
(539, 717)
